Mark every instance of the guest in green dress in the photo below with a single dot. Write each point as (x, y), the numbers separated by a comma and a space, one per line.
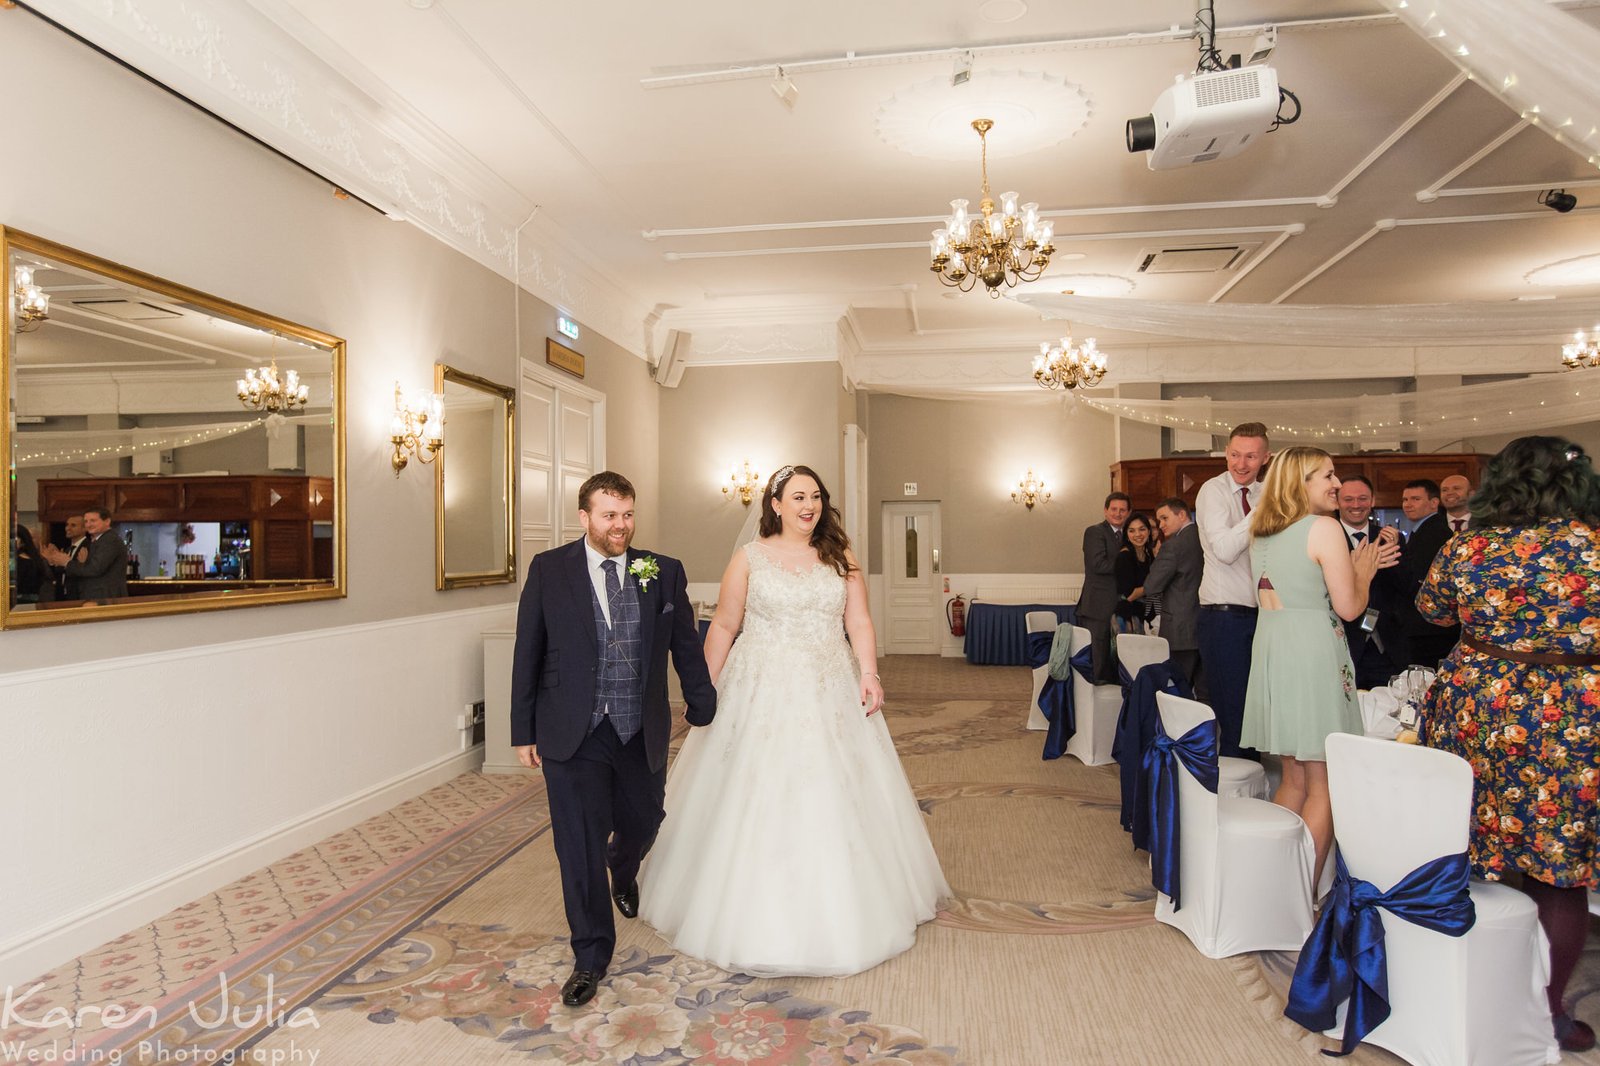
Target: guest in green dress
(1302, 684)
(1519, 696)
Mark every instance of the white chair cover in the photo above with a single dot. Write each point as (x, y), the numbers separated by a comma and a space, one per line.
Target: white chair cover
(1039, 622)
(1473, 999)
(1135, 651)
(1096, 708)
(1236, 777)
(1245, 863)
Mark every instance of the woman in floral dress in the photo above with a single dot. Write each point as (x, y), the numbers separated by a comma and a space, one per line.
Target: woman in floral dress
(1517, 697)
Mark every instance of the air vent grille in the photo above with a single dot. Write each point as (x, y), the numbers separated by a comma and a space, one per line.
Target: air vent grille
(1207, 260)
(1235, 88)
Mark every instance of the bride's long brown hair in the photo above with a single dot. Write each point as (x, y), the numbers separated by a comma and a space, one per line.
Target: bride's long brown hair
(828, 536)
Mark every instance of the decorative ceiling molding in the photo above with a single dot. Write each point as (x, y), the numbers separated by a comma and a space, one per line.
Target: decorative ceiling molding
(244, 64)
(1031, 110)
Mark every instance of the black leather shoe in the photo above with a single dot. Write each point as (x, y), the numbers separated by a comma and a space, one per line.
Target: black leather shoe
(581, 987)
(627, 899)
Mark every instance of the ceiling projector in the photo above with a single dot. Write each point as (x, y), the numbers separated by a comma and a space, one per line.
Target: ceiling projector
(1212, 115)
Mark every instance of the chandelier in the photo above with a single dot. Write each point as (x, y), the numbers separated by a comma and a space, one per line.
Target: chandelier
(266, 390)
(33, 303)
(743, 484)
(1066, 366)
(1583, 351)
(997, 248)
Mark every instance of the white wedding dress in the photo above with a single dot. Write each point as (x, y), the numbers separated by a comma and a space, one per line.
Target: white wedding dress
(792, 843)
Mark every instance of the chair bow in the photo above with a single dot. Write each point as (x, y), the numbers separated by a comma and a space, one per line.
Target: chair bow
(1056, 696)
(1196, 751)
(1344, 957)
(1137, 726)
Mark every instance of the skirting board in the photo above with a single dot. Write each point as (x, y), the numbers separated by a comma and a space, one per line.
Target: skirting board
(26, 958)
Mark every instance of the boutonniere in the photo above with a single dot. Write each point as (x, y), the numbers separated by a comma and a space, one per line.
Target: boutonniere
(645, 569)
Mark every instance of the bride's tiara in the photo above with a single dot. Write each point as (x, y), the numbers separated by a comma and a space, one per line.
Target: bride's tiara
(784, 474)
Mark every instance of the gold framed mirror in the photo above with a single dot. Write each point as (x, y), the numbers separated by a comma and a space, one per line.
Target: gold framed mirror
(144, 406)
(474, 482)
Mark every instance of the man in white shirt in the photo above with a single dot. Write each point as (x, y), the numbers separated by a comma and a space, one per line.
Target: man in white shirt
(1227, 593)
(1455, 493)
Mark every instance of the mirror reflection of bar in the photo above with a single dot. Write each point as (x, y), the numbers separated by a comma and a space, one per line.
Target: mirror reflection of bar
(125, 399)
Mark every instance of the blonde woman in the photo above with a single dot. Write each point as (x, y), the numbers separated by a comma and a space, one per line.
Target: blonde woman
(1302, 684)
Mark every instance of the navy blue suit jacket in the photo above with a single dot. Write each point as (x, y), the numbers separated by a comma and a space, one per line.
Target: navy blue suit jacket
(557, 654)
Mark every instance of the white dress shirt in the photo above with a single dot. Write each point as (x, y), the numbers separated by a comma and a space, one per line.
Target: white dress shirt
(1352, 532)
(597, 576)
(1225, 540)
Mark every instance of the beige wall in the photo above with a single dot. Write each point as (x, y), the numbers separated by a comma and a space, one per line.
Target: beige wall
(969, 454)
(718, 417)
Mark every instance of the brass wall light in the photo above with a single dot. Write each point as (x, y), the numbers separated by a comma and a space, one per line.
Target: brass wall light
(416, 429)
(743, 483)
(1030, 490)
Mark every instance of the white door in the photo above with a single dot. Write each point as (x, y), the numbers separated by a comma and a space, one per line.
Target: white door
(912, 576)
(562, 442)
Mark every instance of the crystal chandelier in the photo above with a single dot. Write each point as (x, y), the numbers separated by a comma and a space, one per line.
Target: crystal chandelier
(1583, 351)
(1066, 366)
(33, 303)
(266, 390)
(998, 248)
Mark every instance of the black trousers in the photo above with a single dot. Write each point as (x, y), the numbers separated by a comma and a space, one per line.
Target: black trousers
(605, 808)
(1105, 663)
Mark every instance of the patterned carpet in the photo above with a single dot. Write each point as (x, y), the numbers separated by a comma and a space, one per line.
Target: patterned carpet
(434, 933)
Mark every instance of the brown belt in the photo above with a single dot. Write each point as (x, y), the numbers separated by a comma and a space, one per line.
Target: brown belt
(1537, 658)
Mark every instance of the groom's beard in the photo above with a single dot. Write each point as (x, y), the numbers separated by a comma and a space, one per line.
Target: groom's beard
(607, 547)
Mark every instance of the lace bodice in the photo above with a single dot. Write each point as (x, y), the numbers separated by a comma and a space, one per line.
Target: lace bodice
(800, 609)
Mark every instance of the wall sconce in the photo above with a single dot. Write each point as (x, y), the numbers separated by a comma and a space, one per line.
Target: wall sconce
(33, 304)
(744, 484)
(417, 428)
(1030, 490)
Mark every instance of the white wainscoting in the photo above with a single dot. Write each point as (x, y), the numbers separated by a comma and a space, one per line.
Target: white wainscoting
(988, 588)
(149, 781)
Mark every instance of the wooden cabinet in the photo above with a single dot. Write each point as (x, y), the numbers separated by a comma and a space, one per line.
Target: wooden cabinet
(280, 510)
(1149, 481)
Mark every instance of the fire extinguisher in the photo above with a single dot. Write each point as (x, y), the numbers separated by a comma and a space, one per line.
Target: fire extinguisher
(955, 612)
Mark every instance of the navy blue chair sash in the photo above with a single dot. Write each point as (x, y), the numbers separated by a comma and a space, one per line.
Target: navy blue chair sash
(1195, 751)
(1055, 697)
(1136, 728)
(1344, 958)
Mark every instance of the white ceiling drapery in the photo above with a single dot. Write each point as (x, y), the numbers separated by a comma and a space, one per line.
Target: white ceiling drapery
(1526, 405)
(1537, 58)
(59, 447)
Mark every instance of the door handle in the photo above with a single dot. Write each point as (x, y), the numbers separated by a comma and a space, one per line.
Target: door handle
(936, 560)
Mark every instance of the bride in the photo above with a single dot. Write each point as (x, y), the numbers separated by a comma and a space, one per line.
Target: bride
(792, 844)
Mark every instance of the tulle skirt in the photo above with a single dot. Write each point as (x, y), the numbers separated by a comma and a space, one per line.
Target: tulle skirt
(792, 844)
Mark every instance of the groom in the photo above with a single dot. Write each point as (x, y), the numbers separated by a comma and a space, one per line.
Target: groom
(589, 706)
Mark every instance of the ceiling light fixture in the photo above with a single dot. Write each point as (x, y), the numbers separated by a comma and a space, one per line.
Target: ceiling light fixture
(265, 390)
(1001, 249)
(32, 302)
(1066, 366)
(1583, 351)
(784, 88)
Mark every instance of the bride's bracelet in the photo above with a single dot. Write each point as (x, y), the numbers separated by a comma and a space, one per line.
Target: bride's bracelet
(878, 676)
